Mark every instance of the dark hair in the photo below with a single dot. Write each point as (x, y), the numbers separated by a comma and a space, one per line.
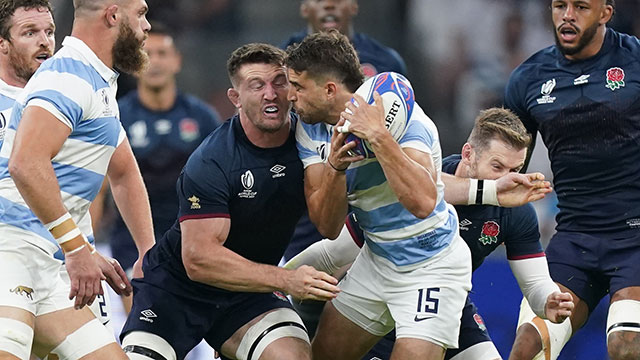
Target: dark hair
(254, 53)
(498, 123)
(327, 53)
(9, 7)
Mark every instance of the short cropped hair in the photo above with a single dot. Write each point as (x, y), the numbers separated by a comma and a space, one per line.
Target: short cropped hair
(500, 124)
(9, 7)
(327, 53)
(254, 53)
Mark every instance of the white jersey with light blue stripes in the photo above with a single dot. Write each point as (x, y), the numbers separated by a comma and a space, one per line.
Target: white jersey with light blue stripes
(8, 95)
(391, 231)
(78, 89)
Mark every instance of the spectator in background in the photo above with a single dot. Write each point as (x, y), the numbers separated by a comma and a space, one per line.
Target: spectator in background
(163, 126)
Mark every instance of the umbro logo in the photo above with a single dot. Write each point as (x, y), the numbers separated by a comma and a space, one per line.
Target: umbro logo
(147, 315)
(277, 171)
(582, 79)
(464, 224)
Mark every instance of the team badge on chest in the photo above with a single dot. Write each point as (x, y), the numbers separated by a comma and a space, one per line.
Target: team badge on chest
(615, 78)
(490, 231)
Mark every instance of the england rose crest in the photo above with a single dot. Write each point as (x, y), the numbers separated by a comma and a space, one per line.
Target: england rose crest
(615, 78)
(490, 231)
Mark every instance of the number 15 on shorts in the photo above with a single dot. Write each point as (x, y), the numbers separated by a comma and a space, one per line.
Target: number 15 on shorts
(427, 302)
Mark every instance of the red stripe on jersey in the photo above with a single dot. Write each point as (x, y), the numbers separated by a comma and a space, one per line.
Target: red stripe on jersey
(528, 256)
(204, 216)
(354, 234)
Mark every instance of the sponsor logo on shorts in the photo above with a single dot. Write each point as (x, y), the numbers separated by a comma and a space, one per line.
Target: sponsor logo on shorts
(422, 318)
(147, 315)
(23, 290)
(479, 321)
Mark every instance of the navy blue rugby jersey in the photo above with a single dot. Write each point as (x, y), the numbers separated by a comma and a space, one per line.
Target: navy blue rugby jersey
(588, 113)
(374, 57)
(485, 227)
(260, 190)
(162, 142)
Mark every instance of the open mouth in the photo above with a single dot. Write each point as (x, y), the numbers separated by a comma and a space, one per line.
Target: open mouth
(42, 57)
(271, 110)
(567, 33)
(329, 22)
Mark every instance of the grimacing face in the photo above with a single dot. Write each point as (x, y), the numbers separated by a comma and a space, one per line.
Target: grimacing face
(31, 42)
(262, 95)
(576, 24)
(498, 159)
(308, 98)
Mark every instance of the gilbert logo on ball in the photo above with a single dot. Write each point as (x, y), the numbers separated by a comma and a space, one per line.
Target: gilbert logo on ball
(398, 100)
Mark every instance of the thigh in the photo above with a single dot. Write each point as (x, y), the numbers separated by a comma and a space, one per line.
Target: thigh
(16, 331)
(180, 321)
(427, 303)
(621, 264)
(337, 337)
(472, 330)
(574, 262)
(412, 348)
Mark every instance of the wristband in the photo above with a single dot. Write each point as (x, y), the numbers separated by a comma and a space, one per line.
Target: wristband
(335, 168)
(482, 192)
(66, 233)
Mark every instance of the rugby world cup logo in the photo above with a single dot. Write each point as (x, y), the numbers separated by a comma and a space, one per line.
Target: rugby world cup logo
(247, 182)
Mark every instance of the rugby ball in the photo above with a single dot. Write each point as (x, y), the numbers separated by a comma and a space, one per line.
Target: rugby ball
(398, 100)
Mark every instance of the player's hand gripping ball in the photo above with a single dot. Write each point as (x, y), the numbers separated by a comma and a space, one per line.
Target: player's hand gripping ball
(398, 100)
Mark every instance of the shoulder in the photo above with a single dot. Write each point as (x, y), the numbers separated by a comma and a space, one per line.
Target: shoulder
(534, 65)
(525, 214)
(380, 56)
(196, 105)
(450, 163)
(628, 43)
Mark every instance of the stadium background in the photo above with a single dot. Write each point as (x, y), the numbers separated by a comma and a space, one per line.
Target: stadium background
(459, 54)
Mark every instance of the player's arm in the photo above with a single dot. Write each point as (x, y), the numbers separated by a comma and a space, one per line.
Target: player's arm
(130, 195)
(327, 255)
(409, 172)
(325, 190)
(39, 138)
(510, 190)
(206, 260)
(542, 293)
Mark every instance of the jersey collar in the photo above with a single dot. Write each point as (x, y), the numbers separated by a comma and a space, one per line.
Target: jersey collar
(85, 51)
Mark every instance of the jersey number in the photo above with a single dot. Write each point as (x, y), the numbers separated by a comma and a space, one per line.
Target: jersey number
(426, 300)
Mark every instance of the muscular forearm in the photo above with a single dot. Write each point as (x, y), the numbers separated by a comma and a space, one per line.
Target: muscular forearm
(231, 271)
(328, 204)
(130, 195)
(412, 183)
(456, 189)
(36, 182)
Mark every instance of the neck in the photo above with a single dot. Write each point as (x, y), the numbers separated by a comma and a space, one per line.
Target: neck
(96, 37)
(157, 99)
(8, 75)
(261, 138)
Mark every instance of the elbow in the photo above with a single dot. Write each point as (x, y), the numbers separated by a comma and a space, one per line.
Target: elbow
(193, 265)
(329, 232)
(16, 168)
(422, 208)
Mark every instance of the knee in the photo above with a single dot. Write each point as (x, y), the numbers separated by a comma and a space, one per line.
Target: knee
(624, 345)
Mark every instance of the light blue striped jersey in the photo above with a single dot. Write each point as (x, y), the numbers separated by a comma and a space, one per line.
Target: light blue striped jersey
(8, 95)
(78, 89)
(391, 231)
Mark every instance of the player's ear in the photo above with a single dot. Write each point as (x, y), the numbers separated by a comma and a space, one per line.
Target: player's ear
(234, 97)
(4, 45)
(354, 7)
(607, 13)
(111, 15)
(331, 89)
(467, 153)
(304, 10)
